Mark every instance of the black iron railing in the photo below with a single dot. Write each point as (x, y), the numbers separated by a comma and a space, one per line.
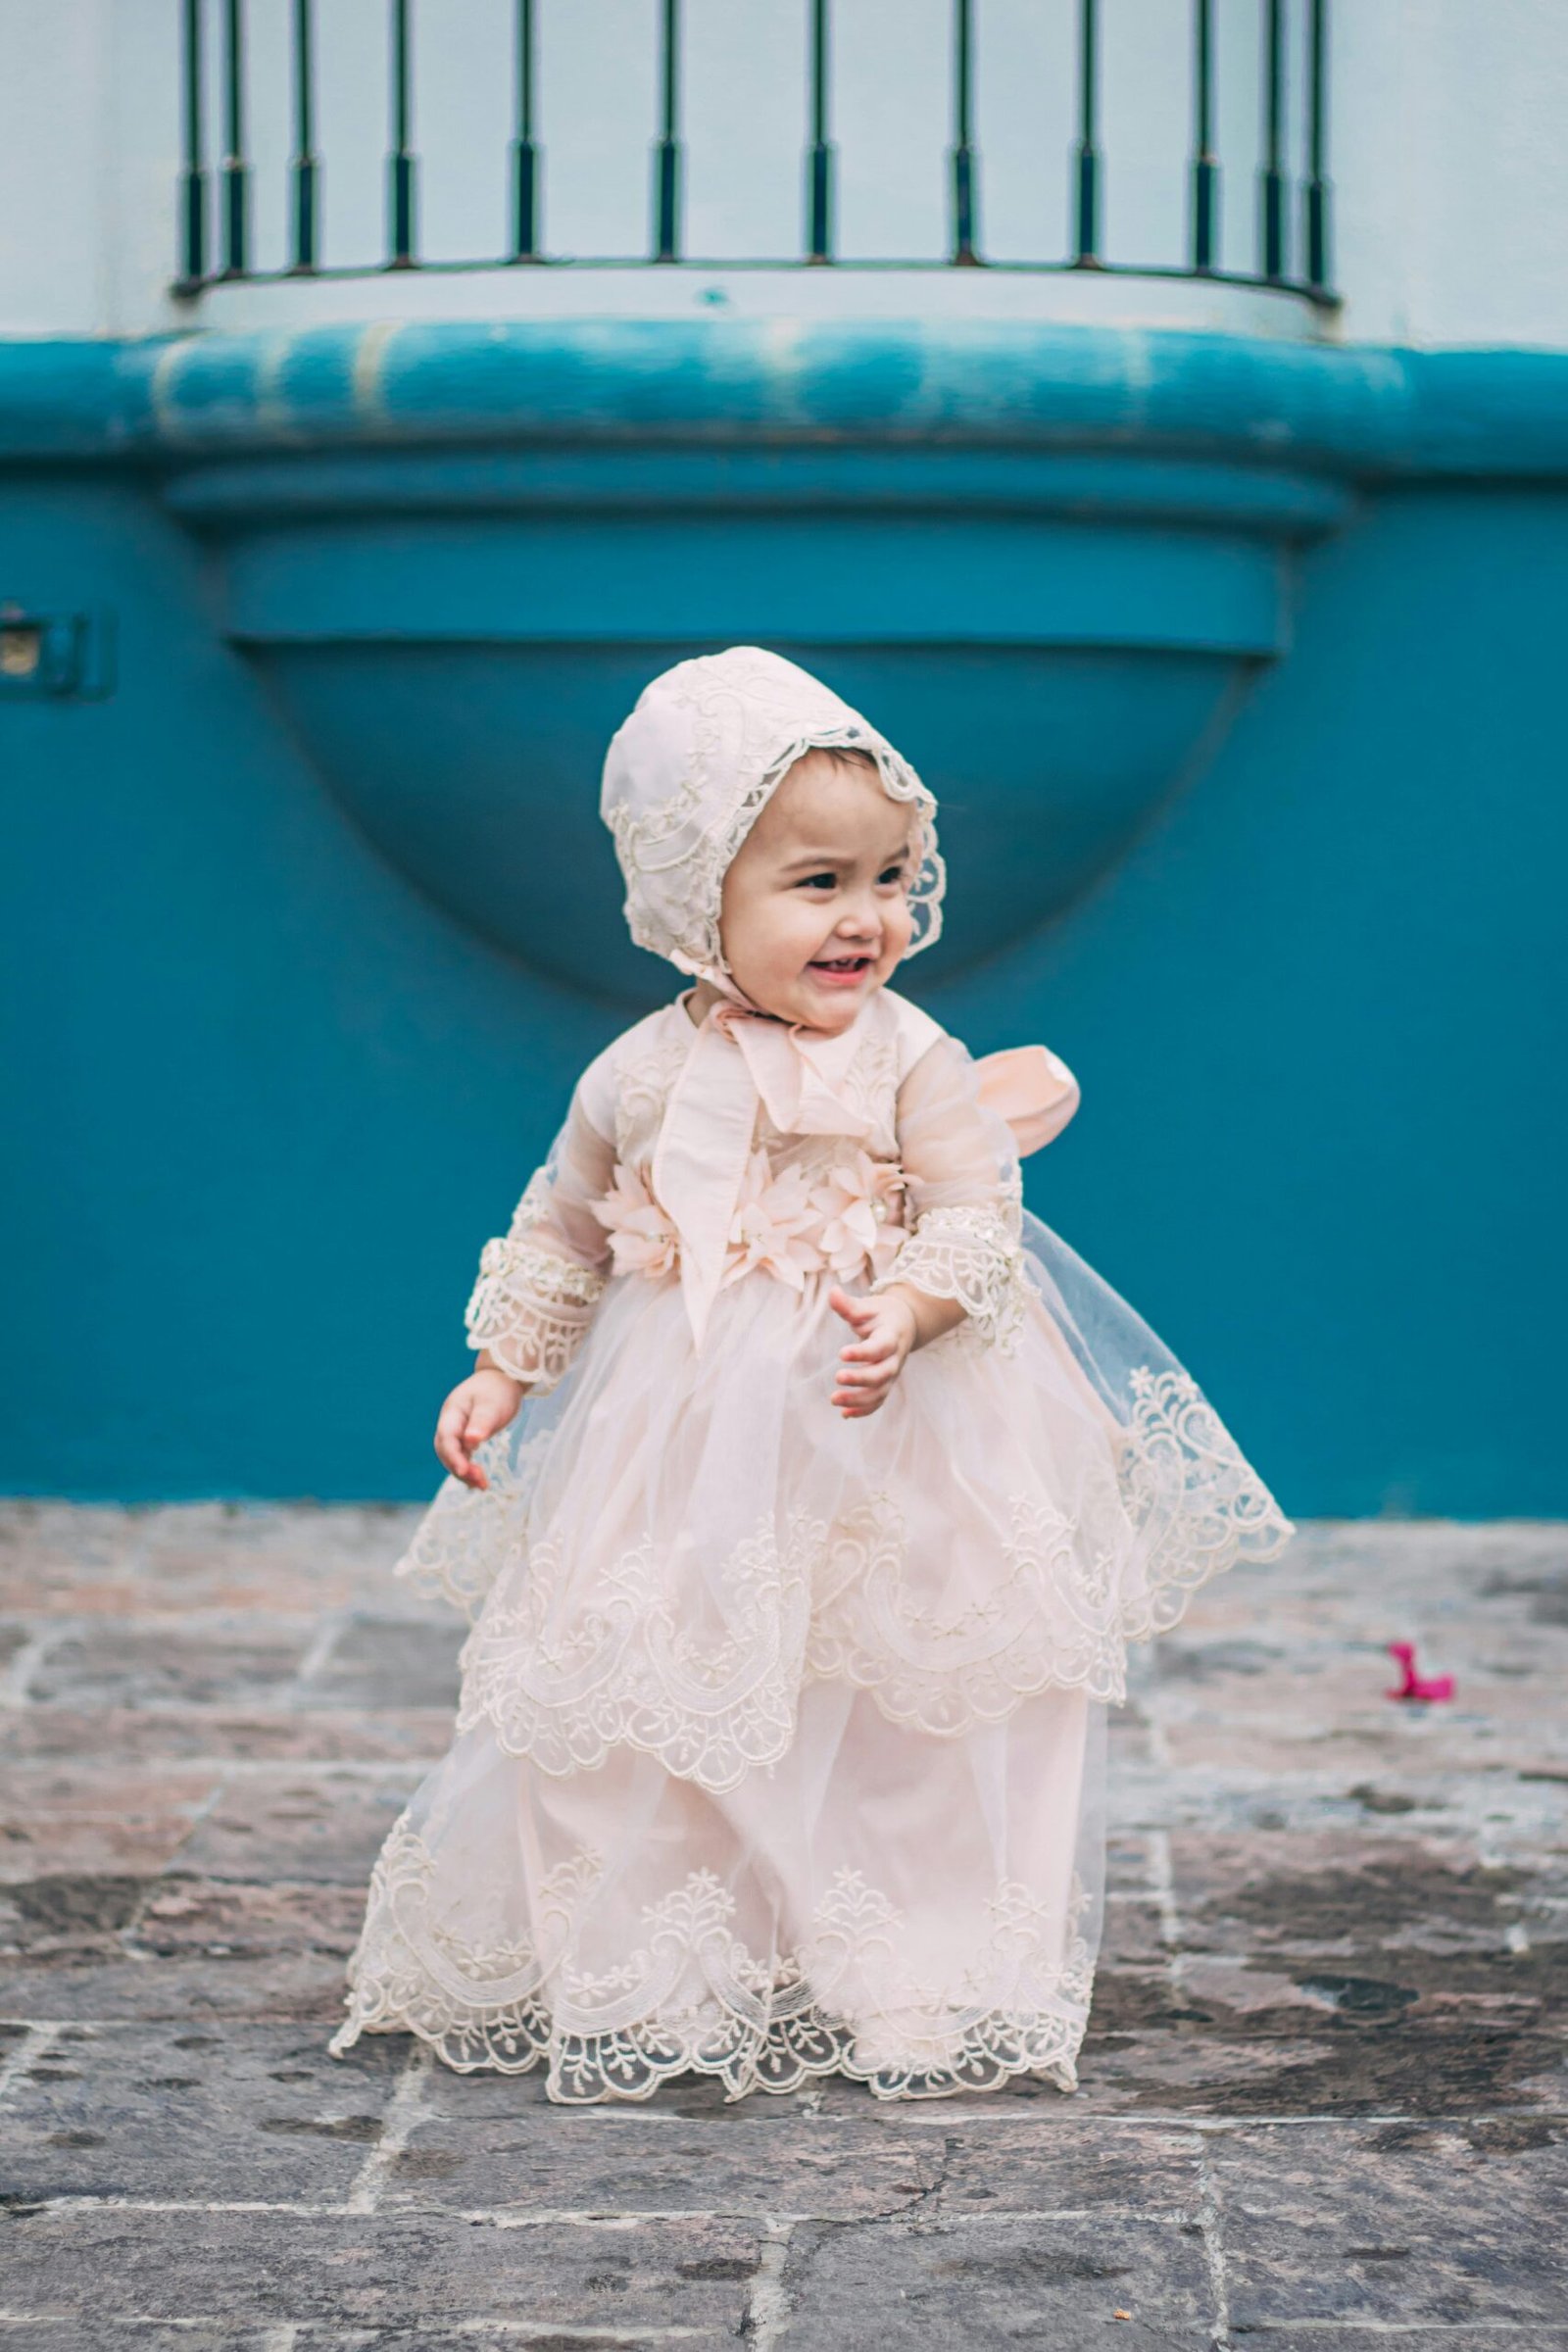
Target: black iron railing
(1307, 274)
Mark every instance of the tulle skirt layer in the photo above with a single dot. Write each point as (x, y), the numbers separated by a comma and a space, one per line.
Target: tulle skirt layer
(779, 1741)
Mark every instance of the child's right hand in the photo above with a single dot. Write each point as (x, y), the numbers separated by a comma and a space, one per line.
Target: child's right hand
(475, 1410)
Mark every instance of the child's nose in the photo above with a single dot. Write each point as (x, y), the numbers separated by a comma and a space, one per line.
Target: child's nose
(861, 917)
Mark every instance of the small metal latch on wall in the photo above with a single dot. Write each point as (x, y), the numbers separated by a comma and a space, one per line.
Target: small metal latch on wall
(66, 656)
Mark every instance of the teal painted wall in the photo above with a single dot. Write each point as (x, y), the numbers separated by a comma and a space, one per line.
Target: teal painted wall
(1319, 1014)
(266, 1100)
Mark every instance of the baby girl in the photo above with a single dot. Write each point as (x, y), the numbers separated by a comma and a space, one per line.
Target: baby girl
(806, 1497)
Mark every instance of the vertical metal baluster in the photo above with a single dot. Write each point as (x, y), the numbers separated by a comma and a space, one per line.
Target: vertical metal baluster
(234, 174)
(1317, 186)
(820, 161)
(666, 151)
(1205, 163)
(304, 168)
(401, 168)
(964, 180)
(1087, 256)
(193, 175)
(1271, 181)
(524, 153)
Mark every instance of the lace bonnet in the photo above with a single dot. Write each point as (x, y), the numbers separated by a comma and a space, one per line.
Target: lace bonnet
(691, 770)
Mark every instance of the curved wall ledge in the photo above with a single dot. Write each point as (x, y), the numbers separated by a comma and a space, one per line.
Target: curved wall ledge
(455, 637)
(1360, 412)
(1047, 560)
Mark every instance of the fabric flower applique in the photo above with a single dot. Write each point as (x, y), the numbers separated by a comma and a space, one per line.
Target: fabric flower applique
(774, 1226)
(860, 1206)
(642, 1239)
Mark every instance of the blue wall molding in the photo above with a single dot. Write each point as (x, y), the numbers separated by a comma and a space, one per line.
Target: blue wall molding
(450, 630)
(1360, 412)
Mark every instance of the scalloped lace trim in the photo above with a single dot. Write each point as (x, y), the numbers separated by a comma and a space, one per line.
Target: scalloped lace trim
(564, 1682)
(531, 1308)
(1184, 1478)
(1180, 1492)
(828, 1603)
(690, 1998)
(971, 1254)
(626, 1671)
(1048, 1624)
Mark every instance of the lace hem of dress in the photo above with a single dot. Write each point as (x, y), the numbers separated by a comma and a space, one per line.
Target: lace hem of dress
(1172, 1505)
(531, 1308)
(692, 2000)
(565, 1686)
(973, 1256)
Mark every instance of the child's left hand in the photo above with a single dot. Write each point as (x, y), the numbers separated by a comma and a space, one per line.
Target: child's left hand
(885, 1331)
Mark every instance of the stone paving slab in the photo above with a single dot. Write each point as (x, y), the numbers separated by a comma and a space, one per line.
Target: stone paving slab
(1047, 2280)
(85, 1948)
(77, 1817)
(1393, 2223)
(186, 2113)
(406, 2270)
(1323, 2106)
(326, 1824)
(129, 1664)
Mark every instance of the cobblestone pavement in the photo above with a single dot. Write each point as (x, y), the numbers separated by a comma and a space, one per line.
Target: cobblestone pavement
(1322, 2103)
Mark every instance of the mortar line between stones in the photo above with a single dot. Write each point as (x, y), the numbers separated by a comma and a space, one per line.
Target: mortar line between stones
(1163, 1885)
(1163, 1873)
(201, 1616)
(1210, 2223)
(511, 2217)
(317, 1653)
(768, 2304)
(199, 1813)
(127, 1935)
(34, 2041)
(32, 1652)
(404, 2111)
(239, 1768)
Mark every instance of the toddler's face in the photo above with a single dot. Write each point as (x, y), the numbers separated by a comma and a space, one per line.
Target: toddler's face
(815, 907)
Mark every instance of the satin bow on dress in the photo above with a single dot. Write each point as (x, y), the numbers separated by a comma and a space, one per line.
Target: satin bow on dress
(743, 1058)
(740, 1059)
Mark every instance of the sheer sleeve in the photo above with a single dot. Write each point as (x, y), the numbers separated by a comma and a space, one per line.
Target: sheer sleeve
(540, 1282)
(964, 1200)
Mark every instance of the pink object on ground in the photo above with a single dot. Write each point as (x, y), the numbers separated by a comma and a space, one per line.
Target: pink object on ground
(1413, 1685)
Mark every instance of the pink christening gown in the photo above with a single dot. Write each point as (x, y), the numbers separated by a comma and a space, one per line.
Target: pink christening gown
(781, 1743)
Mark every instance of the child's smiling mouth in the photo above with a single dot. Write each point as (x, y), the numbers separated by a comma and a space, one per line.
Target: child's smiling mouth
(840, 971)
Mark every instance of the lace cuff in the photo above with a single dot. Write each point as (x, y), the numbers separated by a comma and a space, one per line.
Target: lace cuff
(531, 1308)
(973, 1256)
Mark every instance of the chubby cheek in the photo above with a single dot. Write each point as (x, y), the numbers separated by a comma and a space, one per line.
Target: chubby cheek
(799, 933)
(898, 929)
(769, 944)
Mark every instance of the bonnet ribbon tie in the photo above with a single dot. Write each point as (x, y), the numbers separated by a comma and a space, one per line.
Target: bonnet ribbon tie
(739, 1060)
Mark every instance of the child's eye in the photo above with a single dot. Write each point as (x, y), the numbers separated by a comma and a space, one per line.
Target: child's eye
(890, 873)
(818, 882)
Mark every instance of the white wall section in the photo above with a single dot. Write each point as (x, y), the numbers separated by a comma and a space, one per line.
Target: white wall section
(1446, 155)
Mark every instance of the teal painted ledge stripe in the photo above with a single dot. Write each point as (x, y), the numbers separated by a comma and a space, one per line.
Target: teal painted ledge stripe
(1127, 485)
(1364, 411)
